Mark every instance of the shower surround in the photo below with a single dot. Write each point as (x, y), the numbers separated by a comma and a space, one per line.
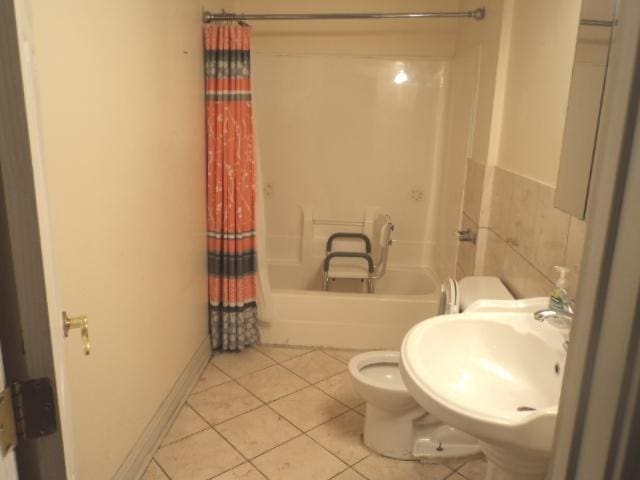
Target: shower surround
(342, 135)
(342, 138)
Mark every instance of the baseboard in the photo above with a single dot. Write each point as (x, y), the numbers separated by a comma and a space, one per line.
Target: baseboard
(142, 452)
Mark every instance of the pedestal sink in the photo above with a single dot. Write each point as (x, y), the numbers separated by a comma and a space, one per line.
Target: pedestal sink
(495, 376)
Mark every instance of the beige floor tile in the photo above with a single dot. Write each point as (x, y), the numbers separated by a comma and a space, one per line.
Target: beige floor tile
(375, 467)
(452, 464)
(271, 383)
(344, 356)
(361, 409)
(308, 408)
(236, 364)
(246, 471)
(186, 423)
(315, 366)
(154, 472)
(282, 353)
(211, 377)
(223, 402)
(474, 470)
(298, 459)
(341, 436)
(340, 387)
(455, 476)
(198, 457)
(349, 475)
(257, 431)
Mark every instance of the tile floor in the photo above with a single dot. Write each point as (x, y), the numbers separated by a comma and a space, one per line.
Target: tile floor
(281, 413)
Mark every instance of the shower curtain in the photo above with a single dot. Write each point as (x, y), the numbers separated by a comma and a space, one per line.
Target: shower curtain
(231, 188)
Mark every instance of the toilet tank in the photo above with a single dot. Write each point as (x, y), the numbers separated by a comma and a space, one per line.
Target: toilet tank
(457, 296)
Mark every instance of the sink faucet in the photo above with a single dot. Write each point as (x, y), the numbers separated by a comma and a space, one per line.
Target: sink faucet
(560, 317)
(562, 314)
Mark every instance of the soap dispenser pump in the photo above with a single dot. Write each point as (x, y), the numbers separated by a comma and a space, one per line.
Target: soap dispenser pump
(559, 300)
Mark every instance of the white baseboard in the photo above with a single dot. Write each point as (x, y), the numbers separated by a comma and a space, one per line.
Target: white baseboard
(142, 452)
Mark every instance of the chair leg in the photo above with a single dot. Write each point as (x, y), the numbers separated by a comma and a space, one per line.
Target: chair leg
(371, 285)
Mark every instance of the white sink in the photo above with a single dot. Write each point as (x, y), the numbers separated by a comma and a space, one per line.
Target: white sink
(496, 376)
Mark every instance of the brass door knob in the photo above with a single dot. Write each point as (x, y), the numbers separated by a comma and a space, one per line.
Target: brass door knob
(82, 323)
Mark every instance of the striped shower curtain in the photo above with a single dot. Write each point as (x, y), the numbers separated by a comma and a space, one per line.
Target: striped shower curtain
(231, 185)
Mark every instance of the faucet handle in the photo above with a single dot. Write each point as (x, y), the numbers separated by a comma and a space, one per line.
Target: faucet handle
(554, 317)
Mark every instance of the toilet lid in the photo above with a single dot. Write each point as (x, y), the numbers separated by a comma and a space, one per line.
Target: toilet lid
(475, 288)
(457, 296)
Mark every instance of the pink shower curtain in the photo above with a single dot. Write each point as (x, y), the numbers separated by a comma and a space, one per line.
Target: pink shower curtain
(231, 184)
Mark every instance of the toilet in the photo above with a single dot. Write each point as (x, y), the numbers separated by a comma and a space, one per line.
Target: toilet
(395, 425)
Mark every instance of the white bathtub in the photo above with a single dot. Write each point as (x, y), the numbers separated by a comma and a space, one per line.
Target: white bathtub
(305, 315)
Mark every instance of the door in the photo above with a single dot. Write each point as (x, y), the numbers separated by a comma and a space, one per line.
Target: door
(120, 114)
(31, 336)
(8, 468)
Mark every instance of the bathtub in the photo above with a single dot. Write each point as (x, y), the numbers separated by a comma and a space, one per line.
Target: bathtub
(345, 316)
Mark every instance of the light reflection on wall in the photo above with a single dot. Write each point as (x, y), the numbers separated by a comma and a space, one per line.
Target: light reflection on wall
(401, 77)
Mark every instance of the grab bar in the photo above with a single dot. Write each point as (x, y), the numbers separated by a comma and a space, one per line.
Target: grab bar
(361, 236)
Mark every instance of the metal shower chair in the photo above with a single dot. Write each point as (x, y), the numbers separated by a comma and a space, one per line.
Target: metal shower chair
(359, 265)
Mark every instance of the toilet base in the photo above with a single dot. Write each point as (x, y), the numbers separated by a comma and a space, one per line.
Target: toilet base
(415, 435)
(436, 442)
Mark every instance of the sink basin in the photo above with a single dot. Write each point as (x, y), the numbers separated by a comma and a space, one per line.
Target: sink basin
(496, 376)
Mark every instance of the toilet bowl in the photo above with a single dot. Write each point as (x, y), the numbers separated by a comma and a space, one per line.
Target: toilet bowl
(395, 425)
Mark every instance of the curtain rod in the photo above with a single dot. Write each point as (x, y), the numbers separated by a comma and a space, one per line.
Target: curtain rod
(477, 14)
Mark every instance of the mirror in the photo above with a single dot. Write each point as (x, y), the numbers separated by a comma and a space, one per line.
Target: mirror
(597, 21)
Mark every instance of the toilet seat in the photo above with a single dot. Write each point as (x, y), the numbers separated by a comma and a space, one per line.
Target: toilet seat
(362, 366)
(377, 391)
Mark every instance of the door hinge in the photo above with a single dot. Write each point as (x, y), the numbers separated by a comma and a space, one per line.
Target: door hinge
(27, 410)
(8, 437)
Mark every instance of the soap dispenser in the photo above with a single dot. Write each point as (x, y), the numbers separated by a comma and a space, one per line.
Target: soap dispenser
(559, 300)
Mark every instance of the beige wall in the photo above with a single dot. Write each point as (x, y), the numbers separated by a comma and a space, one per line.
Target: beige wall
(521, 236)
(470, 113)
(352, 37)
(539, 72)
(483, 37)
(120, 96)
(463, 88)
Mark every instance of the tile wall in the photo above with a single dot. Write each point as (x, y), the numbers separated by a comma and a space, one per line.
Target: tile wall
(521, 235)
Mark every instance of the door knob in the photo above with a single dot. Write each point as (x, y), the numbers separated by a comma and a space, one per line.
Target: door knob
(82, 323)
